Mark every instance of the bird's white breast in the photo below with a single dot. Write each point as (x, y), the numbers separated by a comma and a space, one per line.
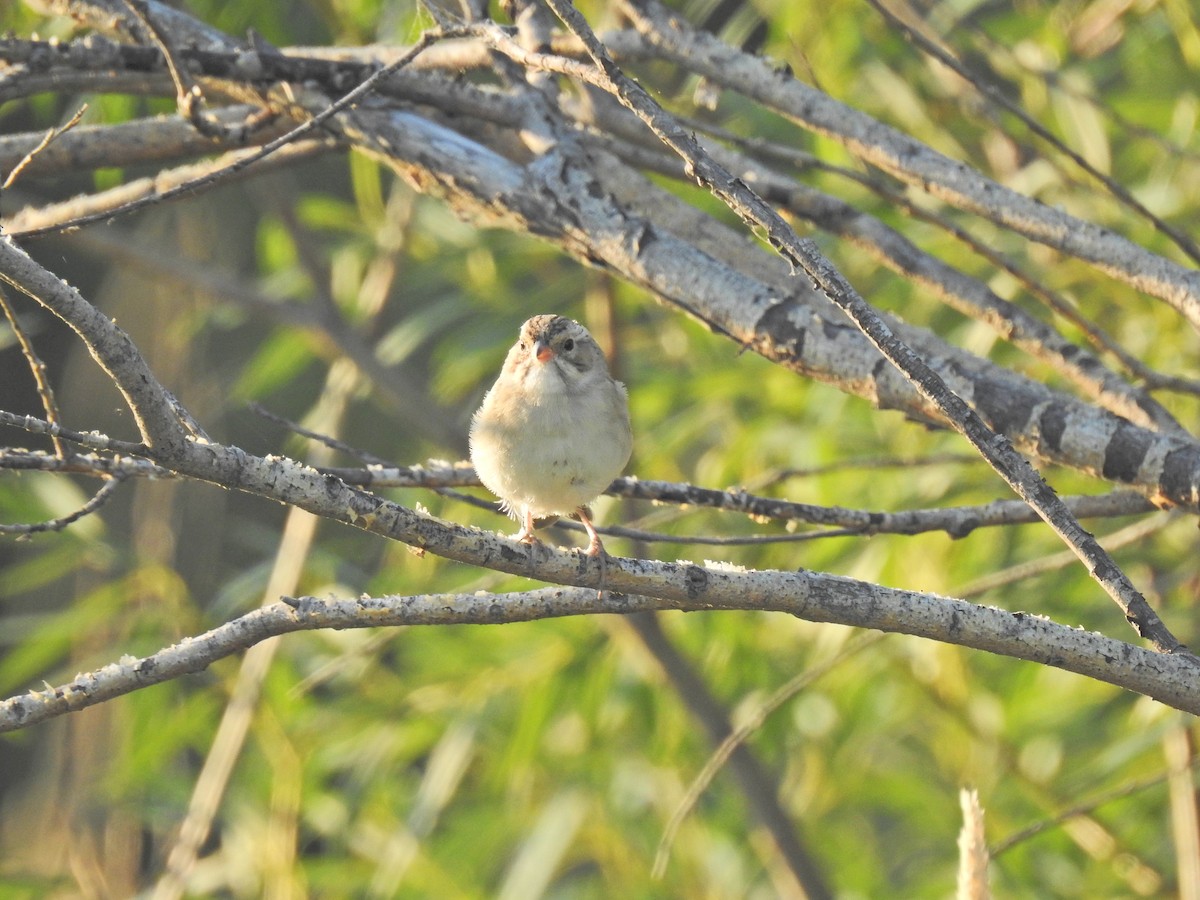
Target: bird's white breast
(551, 446)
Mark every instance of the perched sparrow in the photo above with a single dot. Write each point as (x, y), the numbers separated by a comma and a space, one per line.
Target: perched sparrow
(553, 432)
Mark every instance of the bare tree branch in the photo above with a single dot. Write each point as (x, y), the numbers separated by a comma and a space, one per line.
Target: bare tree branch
(28, 157)
(1171, 679)
(141, 141)
(139, 193)
(1167, 470)
(914, 163)
(244, 160)
(1015, 470)
(113, 17)
(59, 523)
(956, 521)
(968, 295)
(995, 96)
(111, 346)
(37, 369)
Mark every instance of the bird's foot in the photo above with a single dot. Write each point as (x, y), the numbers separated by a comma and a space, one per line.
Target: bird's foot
(595, 546)
(528, 538)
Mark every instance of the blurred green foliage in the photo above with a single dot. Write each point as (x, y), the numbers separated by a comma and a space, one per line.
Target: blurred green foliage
(545, 759)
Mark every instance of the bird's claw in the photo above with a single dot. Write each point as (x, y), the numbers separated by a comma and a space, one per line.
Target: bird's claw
(595, 547)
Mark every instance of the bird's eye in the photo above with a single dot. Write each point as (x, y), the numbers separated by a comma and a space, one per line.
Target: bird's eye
(521, 344)
(569, 344)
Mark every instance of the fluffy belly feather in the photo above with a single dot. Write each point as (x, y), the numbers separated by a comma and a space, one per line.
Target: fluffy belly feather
(552, 459)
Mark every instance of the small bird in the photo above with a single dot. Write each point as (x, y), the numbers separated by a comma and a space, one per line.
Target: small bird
(553, 431)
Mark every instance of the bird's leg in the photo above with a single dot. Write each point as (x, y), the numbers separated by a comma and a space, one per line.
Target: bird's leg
(595, 545)
(526, 535)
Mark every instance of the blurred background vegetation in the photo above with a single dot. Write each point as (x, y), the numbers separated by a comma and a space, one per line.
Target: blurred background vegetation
(545, 759)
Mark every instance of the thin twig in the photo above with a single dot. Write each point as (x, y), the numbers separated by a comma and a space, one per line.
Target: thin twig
(1080, 809)
(427, 39)
(154, 412)
(1053, 77)
(1095, 335)
(102, 496)
(329, 441)
(81, 464)
(441, 477)
(188, 97)
(739, 735)
(195, 177)
(37, 368)
(956, 521)
(968, 295)
(50, 137)
(1125, 536)
(866, 464)
(93, 440)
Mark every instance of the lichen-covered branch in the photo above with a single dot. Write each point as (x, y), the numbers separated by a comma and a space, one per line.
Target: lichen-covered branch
(1173, 680)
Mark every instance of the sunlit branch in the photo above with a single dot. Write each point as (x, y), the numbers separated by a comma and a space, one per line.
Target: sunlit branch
(913, 162)
(999, 453)
(997, 97)
(1170, 678)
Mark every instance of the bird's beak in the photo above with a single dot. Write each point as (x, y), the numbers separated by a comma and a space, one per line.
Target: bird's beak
(542, 351)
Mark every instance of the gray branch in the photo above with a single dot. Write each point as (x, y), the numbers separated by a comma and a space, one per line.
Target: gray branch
(151, 405)
(914, 163)
(807, 595)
